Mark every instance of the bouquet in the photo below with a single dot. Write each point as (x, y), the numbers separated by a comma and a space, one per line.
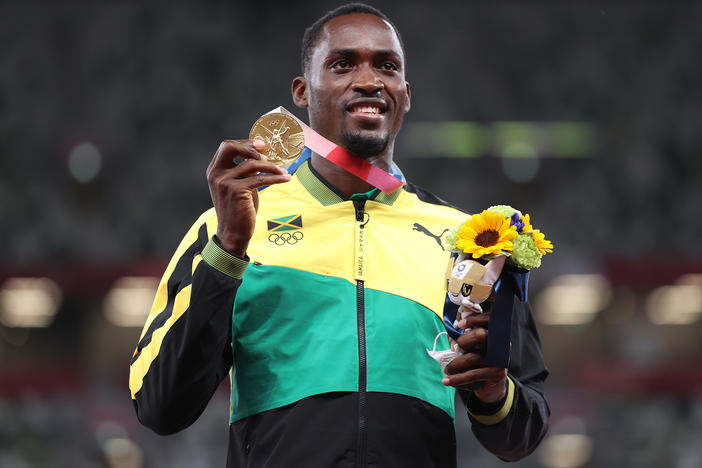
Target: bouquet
(481, 246)
(500, 230)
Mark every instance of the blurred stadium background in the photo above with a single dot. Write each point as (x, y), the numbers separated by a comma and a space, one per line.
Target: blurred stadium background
(587, 115)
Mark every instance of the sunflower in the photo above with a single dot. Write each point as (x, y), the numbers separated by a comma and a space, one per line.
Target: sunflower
(487, 233)
(544, 246)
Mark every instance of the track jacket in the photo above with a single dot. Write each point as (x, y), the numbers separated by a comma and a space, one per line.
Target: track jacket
(324, 335)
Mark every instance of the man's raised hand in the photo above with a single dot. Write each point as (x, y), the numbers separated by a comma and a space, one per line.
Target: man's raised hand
(237, 169)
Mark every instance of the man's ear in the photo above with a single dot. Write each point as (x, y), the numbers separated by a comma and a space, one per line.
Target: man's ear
(299, 92)
(408, 105)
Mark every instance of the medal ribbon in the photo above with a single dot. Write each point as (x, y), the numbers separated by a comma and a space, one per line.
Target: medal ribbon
(345, 159)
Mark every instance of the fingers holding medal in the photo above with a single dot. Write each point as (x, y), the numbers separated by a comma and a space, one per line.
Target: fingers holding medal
(282, 135)
(240, 167)
(237, 170)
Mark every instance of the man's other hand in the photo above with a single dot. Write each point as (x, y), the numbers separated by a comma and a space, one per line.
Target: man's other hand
(467, 369)
(237, 169)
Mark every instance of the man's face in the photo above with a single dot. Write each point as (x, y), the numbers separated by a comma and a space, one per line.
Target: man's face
(354, 86)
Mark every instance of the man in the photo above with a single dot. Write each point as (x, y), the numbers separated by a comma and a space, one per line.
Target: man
(327, 355)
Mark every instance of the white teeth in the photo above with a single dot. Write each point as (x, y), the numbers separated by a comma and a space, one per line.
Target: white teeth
(366, 109)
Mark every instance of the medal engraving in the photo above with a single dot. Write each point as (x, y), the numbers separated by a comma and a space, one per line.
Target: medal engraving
(283, 137)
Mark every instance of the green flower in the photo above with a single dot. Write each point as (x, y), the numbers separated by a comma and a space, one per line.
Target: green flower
(525, 253)
(505, 210)
(450, 240)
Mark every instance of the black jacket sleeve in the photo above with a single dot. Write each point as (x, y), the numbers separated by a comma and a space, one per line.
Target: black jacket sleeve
(184, 351)
(513, 429)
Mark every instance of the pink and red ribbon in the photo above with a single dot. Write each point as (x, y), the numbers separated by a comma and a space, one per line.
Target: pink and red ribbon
(345, 159)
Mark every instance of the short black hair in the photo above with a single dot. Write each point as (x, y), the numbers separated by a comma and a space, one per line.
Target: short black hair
(309, 39)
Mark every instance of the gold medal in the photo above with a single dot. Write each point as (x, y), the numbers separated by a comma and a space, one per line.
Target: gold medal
(283, 137)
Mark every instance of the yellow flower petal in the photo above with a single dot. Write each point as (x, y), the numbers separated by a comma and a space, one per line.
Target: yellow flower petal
(508, 234)
(545, 246)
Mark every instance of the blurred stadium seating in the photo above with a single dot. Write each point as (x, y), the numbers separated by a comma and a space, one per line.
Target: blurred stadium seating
(584, 114)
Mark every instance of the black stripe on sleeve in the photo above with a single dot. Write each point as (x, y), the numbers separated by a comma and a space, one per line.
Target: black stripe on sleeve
(180, 278)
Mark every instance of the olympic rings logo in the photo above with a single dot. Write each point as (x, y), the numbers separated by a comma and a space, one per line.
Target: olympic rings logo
(285, 238)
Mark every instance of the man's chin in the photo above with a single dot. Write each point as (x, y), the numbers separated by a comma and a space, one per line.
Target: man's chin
(364, 145)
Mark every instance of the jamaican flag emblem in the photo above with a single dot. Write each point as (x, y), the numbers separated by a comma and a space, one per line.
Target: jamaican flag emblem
(286, 223)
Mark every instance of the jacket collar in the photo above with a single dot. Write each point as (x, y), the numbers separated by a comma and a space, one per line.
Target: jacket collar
(326, 194)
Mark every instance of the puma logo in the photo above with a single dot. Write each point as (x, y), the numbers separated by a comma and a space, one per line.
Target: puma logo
(423, 230)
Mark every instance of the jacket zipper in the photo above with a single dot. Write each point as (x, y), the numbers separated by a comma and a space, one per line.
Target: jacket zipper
(359, 273)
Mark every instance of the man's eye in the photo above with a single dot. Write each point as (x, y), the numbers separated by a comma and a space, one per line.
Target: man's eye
(390, 66)
(340, 64)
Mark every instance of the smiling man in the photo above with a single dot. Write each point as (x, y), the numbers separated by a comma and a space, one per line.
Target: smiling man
(354, 86)
(320, 294)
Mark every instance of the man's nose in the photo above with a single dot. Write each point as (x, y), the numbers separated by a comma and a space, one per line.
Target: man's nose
(367, 80)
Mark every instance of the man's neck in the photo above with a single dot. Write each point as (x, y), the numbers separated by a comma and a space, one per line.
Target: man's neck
(344, 181)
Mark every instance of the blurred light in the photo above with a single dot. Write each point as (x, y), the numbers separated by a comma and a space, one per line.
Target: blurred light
(572, 139)
(84, 162)
(507, 133)
(107, 430)
(122, 453)
(566, 451)
(573, 299)
(29, 302)
(473, 139)
(520, 162)
(129, 301)
(678, 304)
(568, 424)
(691, 278)
(519, 149)
(452, 139)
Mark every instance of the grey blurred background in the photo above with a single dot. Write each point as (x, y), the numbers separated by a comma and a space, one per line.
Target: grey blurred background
(584, 114)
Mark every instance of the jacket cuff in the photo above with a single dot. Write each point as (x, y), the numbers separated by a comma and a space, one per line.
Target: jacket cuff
(224, 261)
(501, 413)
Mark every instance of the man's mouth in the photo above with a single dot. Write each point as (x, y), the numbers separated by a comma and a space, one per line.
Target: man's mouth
(360, 109)
(367, 107)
